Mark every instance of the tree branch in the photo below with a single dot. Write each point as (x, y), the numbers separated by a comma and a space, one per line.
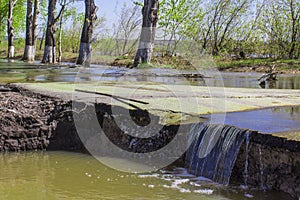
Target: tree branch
(60, 12)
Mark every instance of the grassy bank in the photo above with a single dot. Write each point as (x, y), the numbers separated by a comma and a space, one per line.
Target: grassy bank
(259, 65)
(176, 62)
(241, 65)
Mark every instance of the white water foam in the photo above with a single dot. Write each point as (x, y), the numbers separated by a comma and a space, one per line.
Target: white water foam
(204, 191)
(249, 195)
(177, 178)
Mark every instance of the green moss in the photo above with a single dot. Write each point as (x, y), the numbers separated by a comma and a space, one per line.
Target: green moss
(193, 100)
(289, 135)
(12, 78)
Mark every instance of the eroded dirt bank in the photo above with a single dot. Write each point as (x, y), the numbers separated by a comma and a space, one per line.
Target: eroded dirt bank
(273, 163)
(31, 121)
(25, 121)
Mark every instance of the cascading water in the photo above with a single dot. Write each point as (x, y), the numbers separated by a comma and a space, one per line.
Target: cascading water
(261, 168)
(213, 151)
(246, 160)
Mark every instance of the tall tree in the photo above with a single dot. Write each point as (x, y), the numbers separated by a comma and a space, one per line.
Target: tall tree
(59, 37)
(31, 25)
(127, 28)
(85, 48)
(43, 21)
(280, 26)
(50, 43)
(150, 18)
(179, 19)
(10, 29)
(293, 16)
(71, 39)
(226, 13)
(64, 13)
(36, 12)
(18, 22)
(3, 15)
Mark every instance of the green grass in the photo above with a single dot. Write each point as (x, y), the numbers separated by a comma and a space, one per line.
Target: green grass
(170, 62)
(280, 64)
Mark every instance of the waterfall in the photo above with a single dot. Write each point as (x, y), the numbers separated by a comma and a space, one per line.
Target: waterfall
(246, 160)
(261, 168)
(213, 150)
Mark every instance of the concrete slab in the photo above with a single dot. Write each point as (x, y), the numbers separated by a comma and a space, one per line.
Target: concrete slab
(192, 100)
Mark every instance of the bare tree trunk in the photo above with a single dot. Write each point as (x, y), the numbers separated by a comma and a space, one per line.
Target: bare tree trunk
(29, 48)
(295, 27)
(49, 50)
(36, 13)
(293, 45)
(42, 40)
(85, 48)
(59, 39)
(10, 29)
(215, 49)
(0, 19)
(150, 18)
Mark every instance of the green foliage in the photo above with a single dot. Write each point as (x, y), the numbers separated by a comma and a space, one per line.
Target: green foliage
(260, 27)
(178, 20)
(138, 3)
(106, 45)
(3, 18)
(279, 22)
(71, 35)
(19, 19)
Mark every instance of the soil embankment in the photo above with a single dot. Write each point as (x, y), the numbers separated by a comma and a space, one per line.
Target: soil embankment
(273, 163)
(25, 121)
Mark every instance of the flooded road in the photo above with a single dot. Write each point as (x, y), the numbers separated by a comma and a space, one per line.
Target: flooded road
(20, 72)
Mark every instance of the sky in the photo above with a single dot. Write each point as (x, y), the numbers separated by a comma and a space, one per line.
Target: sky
(107, 8)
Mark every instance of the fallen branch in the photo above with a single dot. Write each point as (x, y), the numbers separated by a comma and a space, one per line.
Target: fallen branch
(271, 76)
(112, 96)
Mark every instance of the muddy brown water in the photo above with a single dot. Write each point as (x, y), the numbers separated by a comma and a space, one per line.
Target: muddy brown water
(65, 175)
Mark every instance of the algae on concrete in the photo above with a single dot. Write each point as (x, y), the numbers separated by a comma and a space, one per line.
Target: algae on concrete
(174, 104)
(178, 98)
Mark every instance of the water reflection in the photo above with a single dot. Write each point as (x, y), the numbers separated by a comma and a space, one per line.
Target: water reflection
(268, 84)
(22, 72)
(271, 120)
(292, 111)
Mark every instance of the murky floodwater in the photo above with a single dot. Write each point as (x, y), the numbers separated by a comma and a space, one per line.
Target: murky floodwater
(18, 71)
(64, 175)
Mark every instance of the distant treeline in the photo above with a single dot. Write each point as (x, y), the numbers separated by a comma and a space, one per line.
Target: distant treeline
(240, 28)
